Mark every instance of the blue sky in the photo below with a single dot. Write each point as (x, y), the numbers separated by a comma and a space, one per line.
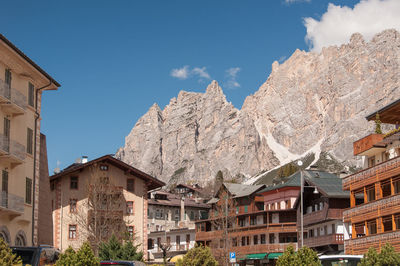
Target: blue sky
(114, 58)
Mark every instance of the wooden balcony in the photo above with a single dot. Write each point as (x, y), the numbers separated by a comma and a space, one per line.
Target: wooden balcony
(12, 101)
(325, 214)
(249, 230)
(367, 145)
(371, 210)
(360, 246)
(334, 239)
(373, 174)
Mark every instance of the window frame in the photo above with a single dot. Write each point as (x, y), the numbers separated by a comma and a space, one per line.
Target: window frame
(128, 185)
(130, 207)
(73, 182)
(75, 236)
(31, 94)
(28, 192)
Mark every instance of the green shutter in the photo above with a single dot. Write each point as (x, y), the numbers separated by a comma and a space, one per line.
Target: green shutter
(29, 141)
(245, 209)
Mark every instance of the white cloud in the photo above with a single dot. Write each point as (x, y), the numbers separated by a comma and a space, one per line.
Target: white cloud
(201, 72)
(231, 74)
(180, 73)
(338, 23)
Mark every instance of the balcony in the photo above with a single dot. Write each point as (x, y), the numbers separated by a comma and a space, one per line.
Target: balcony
(367, 145)
(371, 210)
(249, 230)
(359, 246)
(325, 214)
(334, 239)
(11, 204)
(11, 151)
(373, 174)
(12, 101)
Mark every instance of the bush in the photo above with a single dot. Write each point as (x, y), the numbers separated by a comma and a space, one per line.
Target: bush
(84, 257)
(198, 256)
(7, 258)
(304, 256)
(115, 250)
(387, 257)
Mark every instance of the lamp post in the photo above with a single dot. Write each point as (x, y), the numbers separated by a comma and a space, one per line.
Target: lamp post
(300, 164)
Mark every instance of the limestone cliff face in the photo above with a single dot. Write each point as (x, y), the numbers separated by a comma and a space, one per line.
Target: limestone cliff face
(313, 102)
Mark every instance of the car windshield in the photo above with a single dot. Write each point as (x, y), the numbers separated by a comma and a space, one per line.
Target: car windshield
(26, 255)
(340, 262)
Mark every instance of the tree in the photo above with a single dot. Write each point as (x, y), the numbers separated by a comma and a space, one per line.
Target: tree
(387, 257)
(115, 250)
(7, 258)
(378, 129)
(198, 256)
(304, 256)
(84, 257)
(68, 258)
(223, 214)
(101, 214)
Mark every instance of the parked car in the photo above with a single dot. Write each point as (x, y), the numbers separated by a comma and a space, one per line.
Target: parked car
(340, 260)
(37, 256)
(122, 263)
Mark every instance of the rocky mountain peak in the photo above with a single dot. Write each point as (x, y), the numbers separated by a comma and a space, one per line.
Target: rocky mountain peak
(312, 103)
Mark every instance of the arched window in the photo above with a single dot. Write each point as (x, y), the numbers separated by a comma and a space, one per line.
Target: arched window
(5, 234)
(20, 239)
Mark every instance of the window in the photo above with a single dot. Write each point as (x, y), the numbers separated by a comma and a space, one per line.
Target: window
(162, 213)
(73, 182)
(262, 239)
(129, 207)
(4, 181)
(72, 231)
(371, 227)
(105, 180)
(387, 223)
(253, 220)
(130, 231)
(178, 242)
(397, 220)
(157, 213)
(31, 90)
(396, 184)
(234, 242)
(245, 209)
(333, 229)
(8, 77)
(168, 240)
(72, 205)
(103, 167)
(311, 233)
(177, 215)
(29, 141)
(271, 238)
(28, 191)
(150, 243)
(191, 215)
(243, 241)
(255, 240)
(370, 193)
(386, 188)
(130, 185)
(52, 185)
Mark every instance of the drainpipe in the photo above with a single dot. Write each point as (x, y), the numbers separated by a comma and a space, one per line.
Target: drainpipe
(37, 115)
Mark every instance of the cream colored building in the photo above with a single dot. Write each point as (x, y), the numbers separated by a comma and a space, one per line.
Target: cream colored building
(22, 83)
(105, 190)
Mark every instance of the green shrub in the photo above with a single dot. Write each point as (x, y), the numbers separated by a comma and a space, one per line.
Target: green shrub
(198, 256)
(387, 257)
(83, 257)
(304, 256)
(7, 258)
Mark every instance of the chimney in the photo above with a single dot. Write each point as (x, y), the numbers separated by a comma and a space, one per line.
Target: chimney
(57, 170)
(84, 159)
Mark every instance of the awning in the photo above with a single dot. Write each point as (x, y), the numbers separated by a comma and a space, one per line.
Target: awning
(272, 256)
(257, 256)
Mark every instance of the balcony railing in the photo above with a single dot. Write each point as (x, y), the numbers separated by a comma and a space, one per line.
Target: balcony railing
(358, 246)
(370, 210)
(325, 214)
(378, 172)
(12, 150)
(11, 99)
(366, 143)
(335, 239)
(11, 203)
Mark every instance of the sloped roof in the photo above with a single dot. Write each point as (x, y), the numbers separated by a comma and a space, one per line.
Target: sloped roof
(175, 201)
(328, 184)
(152, 182)
(239, 190)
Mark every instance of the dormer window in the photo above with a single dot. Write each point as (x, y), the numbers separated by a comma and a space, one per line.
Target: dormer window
(104, 167)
